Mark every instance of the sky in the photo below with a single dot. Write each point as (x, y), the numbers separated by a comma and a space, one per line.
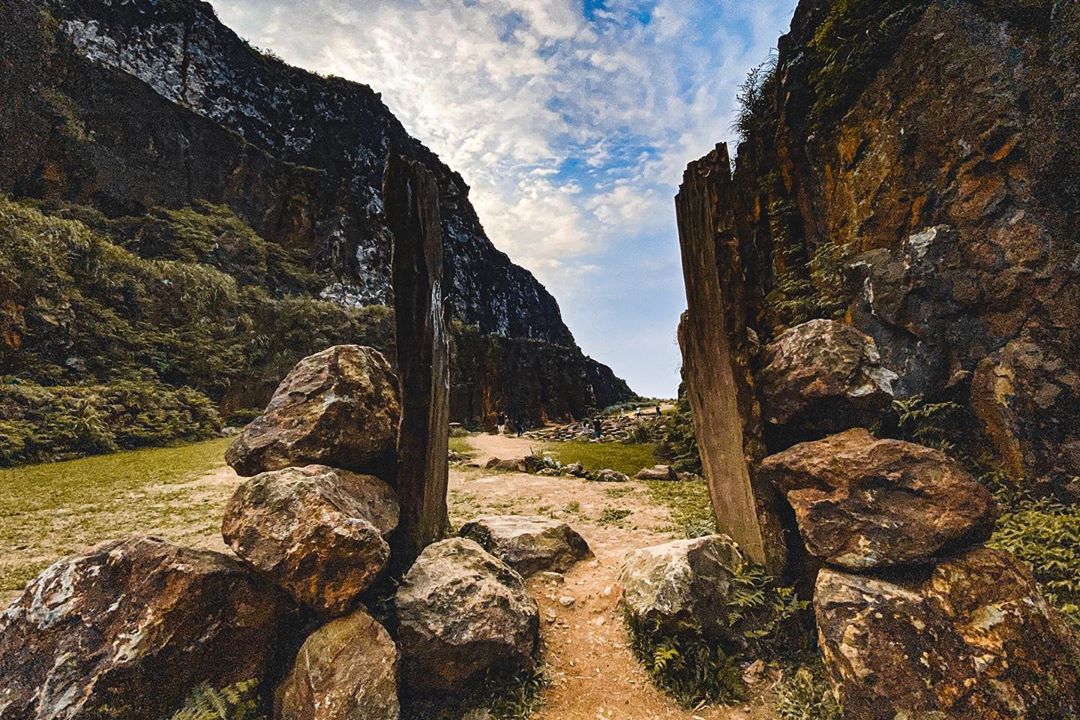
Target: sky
(572, 122)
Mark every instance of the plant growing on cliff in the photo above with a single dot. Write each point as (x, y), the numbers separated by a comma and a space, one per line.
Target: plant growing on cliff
(756, 118)
(236, 702)
(678, 445)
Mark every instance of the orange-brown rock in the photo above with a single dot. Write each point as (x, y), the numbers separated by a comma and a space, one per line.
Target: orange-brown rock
(338, 407)
(345, 670)
(528, 544)
(864, 504)
(973, 638)
(129, 629)
(819, 378)
(319, 533)
(1028, 398)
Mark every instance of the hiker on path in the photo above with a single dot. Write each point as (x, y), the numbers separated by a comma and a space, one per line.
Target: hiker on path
(598, 428)
(519, 426)
(658, 412)
(501, 423)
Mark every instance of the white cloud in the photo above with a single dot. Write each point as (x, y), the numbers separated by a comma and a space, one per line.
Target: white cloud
(507, 91)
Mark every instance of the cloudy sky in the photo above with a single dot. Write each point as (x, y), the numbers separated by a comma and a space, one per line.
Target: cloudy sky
(571, 120)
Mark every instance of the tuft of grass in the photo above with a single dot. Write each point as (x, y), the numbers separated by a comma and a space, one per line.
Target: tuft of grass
(50, 511)
(461, 446)
(613, 516)
(688, 503)
(804, 694)
(627, 458)
(497, 697)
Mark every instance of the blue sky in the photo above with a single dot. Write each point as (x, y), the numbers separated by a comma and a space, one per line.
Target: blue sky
(571, 120)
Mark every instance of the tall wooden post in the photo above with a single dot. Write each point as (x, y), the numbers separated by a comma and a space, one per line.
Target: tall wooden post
(716, 362)
(411, 201)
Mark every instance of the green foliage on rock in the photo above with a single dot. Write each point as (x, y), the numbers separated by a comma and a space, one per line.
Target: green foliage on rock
(679, 443)
(1045, 534)
(764, 618)
(237, 702)
(151, 317)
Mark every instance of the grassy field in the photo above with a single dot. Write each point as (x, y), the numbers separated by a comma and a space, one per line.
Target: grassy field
(624, 457)
(52, 510)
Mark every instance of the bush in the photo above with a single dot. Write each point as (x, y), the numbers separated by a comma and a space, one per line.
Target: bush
(238, 702)
(765, 618)
(679, 444)
(804, 694)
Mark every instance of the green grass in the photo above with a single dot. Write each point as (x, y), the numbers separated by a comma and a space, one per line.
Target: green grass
(689, 505)
(52, 510)
(461, 446)
(624, 457)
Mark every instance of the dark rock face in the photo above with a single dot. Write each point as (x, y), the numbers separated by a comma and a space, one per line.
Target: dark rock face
(128, 630)
(131, 105)
(528, 544)
(822, 377)
(925, 191)
(319, 533)
(975, 639)
(338, 408)
(463, 613)
(345, 670)
(863, 503)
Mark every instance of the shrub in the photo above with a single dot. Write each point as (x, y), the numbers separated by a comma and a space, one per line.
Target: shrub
(764, 617)
(679, 444)
(804, 694)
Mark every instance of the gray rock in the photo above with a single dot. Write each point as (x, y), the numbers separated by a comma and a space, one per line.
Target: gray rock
(610, 476)
(658, 472)
(529, 544)
(822, 377)
(462, 613)
(682, 586)
(318, 532)
(345, 670)
(337, 408)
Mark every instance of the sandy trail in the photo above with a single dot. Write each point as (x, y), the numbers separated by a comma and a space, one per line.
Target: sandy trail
(593, 674)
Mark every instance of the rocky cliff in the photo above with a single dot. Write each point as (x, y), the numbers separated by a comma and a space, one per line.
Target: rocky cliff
(909, 168)
(141, 107)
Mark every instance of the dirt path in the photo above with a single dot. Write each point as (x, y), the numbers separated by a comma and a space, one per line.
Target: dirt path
(504, 447)
(593, 674)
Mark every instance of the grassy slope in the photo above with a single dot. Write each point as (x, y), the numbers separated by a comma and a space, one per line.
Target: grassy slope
(49, 511)
(624, 457)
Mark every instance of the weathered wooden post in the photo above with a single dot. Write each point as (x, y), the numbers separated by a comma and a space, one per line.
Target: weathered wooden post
(411, 201)
(716, 363)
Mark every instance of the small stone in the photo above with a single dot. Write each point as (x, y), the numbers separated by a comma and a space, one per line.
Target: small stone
(566, 601)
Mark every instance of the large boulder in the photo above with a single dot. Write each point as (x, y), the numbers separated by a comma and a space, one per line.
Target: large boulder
(528, 544)
(320, 533)
(683, 586)
(863, 503)
(337, 408)
(346, 670)
(974, 639)
(821, 377)
(130, 628)
(1028, 398)
(463, 613)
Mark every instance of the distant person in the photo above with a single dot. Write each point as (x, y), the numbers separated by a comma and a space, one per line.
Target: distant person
(501, 423)
(658, 412)
(637, 413)
(519, 426)
(598, 428)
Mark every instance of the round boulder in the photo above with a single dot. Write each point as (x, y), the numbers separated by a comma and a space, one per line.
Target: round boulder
(130, 628)
(346, 670)
(975, 639)
(463, 613)
(863, 503)
(529, 544)
(338, 408)
(318, 532)
(822, 377)
(682, 586)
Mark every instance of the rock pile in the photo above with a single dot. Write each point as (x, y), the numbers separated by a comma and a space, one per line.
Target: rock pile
(649, 427)
(132, 627)
(914, 616)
